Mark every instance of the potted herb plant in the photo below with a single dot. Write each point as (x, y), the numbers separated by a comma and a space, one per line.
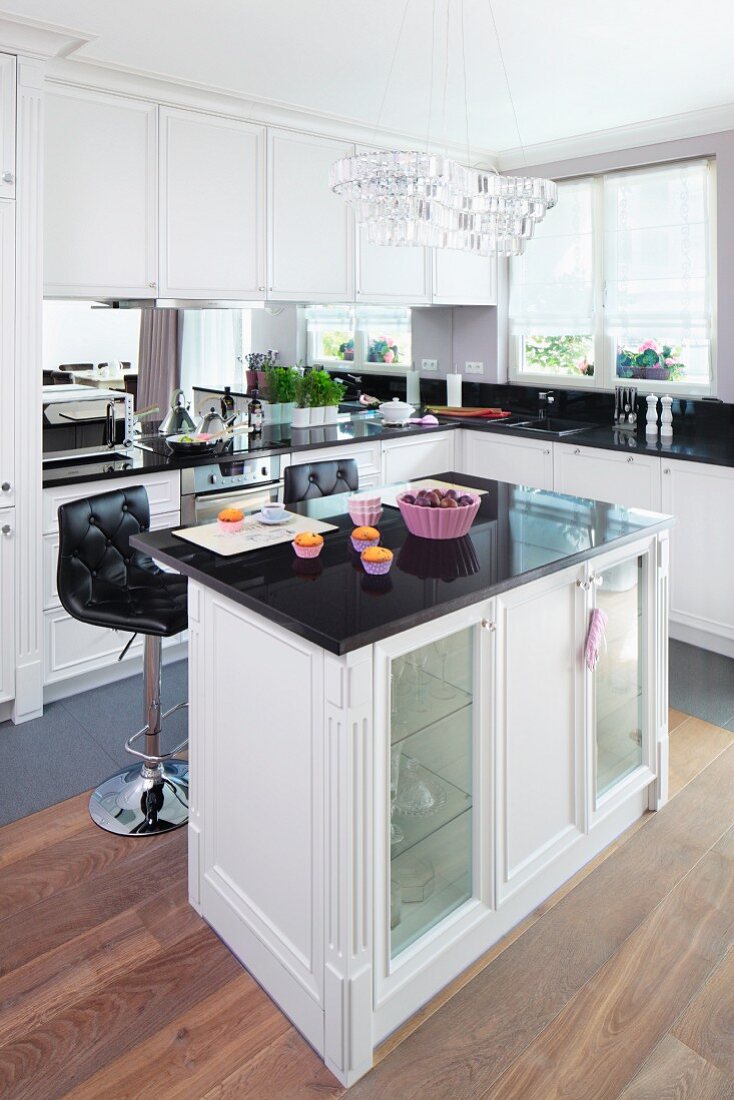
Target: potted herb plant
(285, 387)
(335, 391)
(269, 395)
(302, 411)
(318, 385)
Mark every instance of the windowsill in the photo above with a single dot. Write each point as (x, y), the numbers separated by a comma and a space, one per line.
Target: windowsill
(675, 389)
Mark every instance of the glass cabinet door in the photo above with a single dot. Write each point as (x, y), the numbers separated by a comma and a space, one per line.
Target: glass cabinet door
(431, 785)
(619, 675)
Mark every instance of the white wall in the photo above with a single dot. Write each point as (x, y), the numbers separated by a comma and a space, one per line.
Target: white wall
(74, 332)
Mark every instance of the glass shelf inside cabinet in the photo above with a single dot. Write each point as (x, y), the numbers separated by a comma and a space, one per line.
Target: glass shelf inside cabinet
(619, 675)
(431, 785)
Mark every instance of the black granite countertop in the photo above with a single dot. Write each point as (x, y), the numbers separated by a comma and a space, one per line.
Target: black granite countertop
(519, 535)
(689, 444)
(274, 439)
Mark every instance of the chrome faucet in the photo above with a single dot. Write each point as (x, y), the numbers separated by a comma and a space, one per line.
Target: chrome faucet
(546, 399)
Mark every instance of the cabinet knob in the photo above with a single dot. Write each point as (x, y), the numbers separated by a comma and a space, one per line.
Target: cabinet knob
(262, 288)
(487, 624)
(546, 451)
(597, 580)
(8, 177)
(630, 459)
(7, 530)
(667, 470)
(6, 486)
(153, 285)
(577, 451)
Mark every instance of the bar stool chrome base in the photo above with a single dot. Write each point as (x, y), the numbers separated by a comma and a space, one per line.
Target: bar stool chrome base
(143, 801)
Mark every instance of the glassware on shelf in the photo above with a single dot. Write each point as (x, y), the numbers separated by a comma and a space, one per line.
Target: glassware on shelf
(396, 833)
(415, 877)
(442, 689)
(417, 661)
(419, 793)
(396, 902)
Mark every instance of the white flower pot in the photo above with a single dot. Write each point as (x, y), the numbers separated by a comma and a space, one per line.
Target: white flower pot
(288, 407)
(330, 414)
(301, 418)
(317, 415)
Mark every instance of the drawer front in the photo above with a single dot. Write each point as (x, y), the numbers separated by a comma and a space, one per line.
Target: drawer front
(51, 557)
(367, 456)
(164, 494)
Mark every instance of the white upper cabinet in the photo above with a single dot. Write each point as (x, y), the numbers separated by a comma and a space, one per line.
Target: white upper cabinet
(392, 274)
(7, 126)
(464, 279)
(310, 229)
(100, 194)
(632, 480)
(212, 199)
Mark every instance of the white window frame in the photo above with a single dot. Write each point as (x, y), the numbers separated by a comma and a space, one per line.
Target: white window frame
(605, 347)
(360, 363)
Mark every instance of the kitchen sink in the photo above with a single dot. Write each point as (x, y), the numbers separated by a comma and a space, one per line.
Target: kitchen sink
(553, 426)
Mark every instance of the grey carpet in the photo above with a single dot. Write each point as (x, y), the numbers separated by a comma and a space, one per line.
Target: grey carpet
(702, 684)
(79, 741)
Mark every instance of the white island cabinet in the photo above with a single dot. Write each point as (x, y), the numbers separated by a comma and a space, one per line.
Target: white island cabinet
(424, 757)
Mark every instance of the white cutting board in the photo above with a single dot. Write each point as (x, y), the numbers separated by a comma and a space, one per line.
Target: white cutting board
(389, 496)
(253, 536)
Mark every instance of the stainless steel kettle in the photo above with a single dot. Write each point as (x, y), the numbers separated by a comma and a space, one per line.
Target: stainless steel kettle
(177, 420)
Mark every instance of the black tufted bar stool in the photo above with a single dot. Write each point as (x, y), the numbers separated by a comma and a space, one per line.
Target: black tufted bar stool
(103, 581)
(319, 479)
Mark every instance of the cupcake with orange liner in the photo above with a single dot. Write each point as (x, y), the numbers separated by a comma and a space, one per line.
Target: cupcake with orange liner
(363, 537)
(231, 520)
(307, 544)
(376, 560)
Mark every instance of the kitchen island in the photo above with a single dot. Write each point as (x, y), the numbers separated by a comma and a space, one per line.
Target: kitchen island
(388, 773)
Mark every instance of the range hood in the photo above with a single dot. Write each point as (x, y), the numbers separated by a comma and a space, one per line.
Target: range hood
(180, 303)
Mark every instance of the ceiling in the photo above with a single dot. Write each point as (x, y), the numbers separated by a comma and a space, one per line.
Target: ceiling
(574, 67)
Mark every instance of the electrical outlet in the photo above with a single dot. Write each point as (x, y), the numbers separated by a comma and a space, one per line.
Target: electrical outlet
(429, 364)
(474, 368)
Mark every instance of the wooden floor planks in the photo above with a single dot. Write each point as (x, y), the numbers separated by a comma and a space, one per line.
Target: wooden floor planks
(619, 986)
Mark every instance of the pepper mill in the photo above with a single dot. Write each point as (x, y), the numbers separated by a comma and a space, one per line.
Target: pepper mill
(652, 415)
(666, 419)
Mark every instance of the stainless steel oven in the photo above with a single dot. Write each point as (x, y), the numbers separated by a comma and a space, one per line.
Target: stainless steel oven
(247, 483)
(81, 421)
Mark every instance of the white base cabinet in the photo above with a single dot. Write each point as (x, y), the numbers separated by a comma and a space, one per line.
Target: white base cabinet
(519, 461)
(355, 905)
(701, 498)
(632, 480)
(417, 456)
(7, 603)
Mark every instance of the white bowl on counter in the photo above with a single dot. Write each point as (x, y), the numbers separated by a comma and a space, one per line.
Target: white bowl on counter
(396, 411)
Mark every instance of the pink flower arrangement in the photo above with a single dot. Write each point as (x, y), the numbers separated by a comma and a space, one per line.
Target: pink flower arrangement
(649, 345)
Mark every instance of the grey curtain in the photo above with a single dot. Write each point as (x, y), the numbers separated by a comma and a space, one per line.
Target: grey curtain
(159, 356)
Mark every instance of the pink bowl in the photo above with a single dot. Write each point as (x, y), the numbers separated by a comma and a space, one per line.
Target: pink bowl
(365, 511)
(307, 551)
(438, 523)
(231, 527)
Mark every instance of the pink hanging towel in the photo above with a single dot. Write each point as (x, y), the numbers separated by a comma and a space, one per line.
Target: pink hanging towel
(595, 637)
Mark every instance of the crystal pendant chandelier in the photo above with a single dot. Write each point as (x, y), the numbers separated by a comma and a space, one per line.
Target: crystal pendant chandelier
(425, 199)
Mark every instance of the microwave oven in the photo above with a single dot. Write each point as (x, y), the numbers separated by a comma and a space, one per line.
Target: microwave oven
(80, 421)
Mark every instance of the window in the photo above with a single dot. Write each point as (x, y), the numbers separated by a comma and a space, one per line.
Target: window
(618, 284)
(375, 337)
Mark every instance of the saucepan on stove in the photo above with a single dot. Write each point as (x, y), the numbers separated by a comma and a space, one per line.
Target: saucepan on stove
(202, 443)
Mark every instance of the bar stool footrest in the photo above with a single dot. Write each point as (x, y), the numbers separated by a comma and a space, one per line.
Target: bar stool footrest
(142, 732)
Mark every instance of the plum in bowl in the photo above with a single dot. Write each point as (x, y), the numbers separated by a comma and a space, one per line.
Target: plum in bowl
(438, 513)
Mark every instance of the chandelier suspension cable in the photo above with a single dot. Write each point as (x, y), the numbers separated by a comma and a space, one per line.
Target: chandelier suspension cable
(430, 79)
(388, 82)
(507, 83)
(447, 31)
(466, 94)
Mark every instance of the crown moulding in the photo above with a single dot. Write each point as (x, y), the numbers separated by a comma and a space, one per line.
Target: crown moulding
(33, 38)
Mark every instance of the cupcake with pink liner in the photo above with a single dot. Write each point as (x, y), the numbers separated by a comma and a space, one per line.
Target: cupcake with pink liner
(376, 560)
(363, 537)
(231, 520)
(365, 510)
(307, 544)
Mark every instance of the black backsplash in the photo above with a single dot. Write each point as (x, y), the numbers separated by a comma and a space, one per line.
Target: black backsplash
(699, 415)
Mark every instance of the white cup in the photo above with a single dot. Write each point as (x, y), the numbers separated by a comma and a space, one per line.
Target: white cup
(273, 510)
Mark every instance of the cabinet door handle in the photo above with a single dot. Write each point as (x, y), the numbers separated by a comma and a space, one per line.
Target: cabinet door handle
(7, 530)
(666, 471)
(262, 288)
(487, 624)
(6, 486)
(8, 177)
(546, 452)
(630, 459)
(577, 451)
(152, 285)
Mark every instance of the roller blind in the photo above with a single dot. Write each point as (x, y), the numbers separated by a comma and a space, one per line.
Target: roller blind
(656, 251)
(551, 288)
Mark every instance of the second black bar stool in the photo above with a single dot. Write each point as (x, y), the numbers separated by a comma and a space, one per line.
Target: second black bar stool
(104, 582)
